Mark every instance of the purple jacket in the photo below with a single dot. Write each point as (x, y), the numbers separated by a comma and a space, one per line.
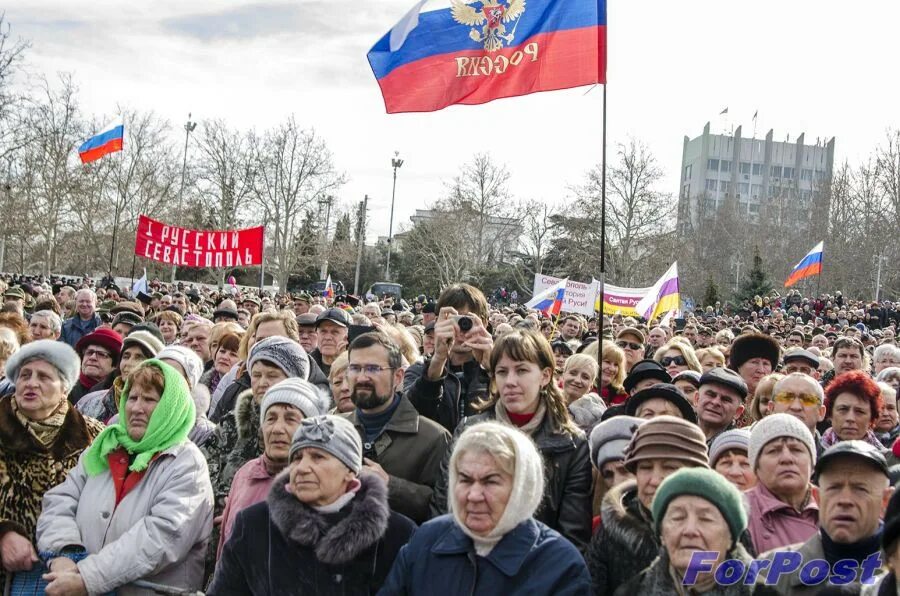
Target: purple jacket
(774, 523)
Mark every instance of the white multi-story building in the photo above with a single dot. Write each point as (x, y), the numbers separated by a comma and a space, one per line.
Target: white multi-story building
(784, 179)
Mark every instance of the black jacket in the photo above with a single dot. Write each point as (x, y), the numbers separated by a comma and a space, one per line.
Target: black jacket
(625, 544)
(566, 506)
(450, 398)
(281, 546)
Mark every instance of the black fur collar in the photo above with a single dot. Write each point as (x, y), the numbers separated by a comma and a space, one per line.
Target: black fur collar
(361, 523)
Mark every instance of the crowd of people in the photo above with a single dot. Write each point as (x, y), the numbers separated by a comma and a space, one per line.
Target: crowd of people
(242, 443)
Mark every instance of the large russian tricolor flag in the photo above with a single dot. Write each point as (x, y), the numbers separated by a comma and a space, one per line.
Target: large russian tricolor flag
(110, 140)
(446, 52)
(810, 265)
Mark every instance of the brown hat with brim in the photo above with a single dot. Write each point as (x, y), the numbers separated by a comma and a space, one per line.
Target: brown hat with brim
(667, 437)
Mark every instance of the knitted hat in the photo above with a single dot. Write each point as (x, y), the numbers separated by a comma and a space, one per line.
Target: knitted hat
(333, 434)
(646, 369)
(104, 337)
(298, 393)
(282, 352)
(145, 340)
(705, 484)
(528, 479)
(737, 438)
(665, 391)
(57, 353)
(753, 345)
(667, 437)
(188, 359)
(609, 439)
(774, 426)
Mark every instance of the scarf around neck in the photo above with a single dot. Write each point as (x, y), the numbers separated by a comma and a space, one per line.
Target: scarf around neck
(535, 423)
(170, 422)
(46, 430)
(830, 438)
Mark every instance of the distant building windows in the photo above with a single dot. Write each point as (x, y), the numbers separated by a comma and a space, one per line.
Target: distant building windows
(806, 174)
(756, 190)
(743, 188)
(712, 185)
(726, 166)
(757, 169)
(788, 172)
(754, 208)
(713, 164)
(687, 172)
(745, 167)
(776, 171)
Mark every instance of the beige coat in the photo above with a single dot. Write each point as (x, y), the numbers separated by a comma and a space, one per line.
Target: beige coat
(158, 532)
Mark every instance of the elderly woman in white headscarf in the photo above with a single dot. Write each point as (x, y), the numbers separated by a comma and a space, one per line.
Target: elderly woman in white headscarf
(490, 543)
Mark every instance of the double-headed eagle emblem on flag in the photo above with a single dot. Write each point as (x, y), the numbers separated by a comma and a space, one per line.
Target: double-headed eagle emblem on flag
(492, 18)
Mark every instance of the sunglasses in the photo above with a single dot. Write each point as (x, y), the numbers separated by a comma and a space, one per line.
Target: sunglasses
(676, 360)
(629, 345)
(807, 399)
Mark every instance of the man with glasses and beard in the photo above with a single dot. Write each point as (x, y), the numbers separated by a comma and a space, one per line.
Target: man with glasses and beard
(400, 446)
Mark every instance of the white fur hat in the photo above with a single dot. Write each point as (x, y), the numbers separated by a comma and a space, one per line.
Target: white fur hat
(59, 354)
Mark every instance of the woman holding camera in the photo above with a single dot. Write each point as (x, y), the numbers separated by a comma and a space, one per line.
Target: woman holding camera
(525, 395)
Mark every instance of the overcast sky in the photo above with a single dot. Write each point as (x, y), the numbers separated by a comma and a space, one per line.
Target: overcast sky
(823, 67)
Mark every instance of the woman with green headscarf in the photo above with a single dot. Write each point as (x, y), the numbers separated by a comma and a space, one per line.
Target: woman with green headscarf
(138, 506)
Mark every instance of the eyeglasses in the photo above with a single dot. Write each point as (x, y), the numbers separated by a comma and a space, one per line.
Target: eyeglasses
(96, 353)
(370, 369)
(629, 345)
(807, 399)
(676, 360)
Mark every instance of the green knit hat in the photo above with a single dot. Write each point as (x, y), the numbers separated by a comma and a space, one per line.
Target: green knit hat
(709, 485)
(169, 424)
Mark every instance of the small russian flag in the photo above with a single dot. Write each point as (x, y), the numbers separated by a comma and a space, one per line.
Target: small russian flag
(109, 141)
(810, 265)
(329, 289)
(550, 300)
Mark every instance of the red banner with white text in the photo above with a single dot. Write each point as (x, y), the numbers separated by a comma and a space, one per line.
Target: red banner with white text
(184, 247)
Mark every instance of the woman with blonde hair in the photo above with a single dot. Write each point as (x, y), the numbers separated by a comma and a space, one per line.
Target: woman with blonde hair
(340, 389)
(710, 358)
(759, 406)
(677, 356)
(612, 371)
(525, 395)
(578, 378)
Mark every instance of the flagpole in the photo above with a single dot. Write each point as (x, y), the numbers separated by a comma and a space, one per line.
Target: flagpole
(602, 222)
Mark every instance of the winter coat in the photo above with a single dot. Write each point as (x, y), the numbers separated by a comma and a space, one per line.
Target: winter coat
(566, 506)
(656, 580)
(101, 405)
(586, 412)
(251, 485)
(530, 559)
(409, 449)
(449, 399)
(28, 469)
(235, 441)
(626, 542)
(203, 430)
(282, 546)
(157, 533)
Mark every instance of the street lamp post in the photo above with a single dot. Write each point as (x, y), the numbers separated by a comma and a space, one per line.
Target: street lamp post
(396, 162)
(188, 129)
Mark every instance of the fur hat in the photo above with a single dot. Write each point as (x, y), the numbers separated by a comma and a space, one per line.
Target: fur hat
(298, 393)
(754, 345)
(775, 426)
(333, 434)
(667, 437)
(609, 439)
(286, 354)
(706, 484)
(188, 359)
(57, 353)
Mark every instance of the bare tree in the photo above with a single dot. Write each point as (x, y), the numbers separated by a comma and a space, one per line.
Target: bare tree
(13, 133)
(292, 169)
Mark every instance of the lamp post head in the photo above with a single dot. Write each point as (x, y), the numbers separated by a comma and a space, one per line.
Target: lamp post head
(396, 162)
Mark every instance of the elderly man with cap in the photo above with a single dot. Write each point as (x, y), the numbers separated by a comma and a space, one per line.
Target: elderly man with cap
(226, 312)
(719, 401)
(306, 325)
(332, 327)
(663, 399)
(753, 356)
(14, 300)
(801, 396)
(798, 360)
(252, 304)
(631, 341)
(99, 353)
(782, 510)
(302, 302)
(852, 491)
(626, 542)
